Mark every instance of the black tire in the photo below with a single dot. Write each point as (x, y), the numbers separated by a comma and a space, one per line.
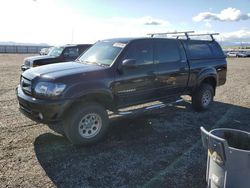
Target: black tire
(57, 127)
(86, 123)
(202, 97)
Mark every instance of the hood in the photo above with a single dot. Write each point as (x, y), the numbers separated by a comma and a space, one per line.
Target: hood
(33, 58)
(58, 70)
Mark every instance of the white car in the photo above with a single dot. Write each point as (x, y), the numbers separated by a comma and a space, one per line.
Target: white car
(232, 54)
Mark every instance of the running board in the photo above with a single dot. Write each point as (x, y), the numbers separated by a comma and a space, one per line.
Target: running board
(151, 107)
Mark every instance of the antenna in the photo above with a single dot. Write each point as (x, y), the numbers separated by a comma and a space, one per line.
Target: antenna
(72, 35)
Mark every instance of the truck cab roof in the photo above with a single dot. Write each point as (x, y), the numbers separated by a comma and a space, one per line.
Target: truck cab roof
(194, 48)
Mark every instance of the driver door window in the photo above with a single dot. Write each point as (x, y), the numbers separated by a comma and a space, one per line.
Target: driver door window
(141, 51)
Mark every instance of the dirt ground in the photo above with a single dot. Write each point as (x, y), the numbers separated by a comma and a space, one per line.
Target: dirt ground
(161, 148)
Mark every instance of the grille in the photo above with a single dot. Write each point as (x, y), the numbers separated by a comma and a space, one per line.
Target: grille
(26, 85)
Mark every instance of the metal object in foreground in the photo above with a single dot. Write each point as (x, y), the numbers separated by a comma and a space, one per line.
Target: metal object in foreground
(228, 162)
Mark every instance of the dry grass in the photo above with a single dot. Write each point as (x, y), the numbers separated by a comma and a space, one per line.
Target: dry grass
(161, 148)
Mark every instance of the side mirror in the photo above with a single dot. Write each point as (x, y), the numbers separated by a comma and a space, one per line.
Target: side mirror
(128, 64)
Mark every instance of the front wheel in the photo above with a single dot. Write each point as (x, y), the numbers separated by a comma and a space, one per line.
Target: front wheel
(203, 97)
(86, 123)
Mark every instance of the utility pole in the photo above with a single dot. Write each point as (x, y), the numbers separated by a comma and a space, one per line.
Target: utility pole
(72, 35)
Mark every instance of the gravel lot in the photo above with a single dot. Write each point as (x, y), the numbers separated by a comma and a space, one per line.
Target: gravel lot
(161, 148)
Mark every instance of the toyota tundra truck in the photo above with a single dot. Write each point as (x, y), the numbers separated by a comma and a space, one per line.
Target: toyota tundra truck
(118, 73)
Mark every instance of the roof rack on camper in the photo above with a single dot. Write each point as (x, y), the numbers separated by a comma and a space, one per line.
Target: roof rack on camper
(174, 32)
(203, 34)
(186, 34)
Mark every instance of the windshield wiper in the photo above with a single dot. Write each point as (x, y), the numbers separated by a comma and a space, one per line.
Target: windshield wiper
(93, 62)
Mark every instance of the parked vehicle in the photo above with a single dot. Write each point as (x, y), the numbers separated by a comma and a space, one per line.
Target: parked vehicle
(56, 55)
(232, 54)
(241, 54)
(248, 53)
(236, 54)
(117, 73)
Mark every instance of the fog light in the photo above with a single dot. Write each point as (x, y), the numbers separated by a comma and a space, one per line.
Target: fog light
(40, 115)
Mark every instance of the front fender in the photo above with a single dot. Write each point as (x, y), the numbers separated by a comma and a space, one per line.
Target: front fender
(82, 89)
(94, 92)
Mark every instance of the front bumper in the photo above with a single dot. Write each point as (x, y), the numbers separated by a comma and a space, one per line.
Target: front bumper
(24, 67)
(41, 110)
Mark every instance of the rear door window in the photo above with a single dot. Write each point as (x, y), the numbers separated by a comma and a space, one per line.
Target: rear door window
(167, 51)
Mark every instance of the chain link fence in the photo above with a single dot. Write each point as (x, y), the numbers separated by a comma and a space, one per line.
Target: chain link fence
(20, 49)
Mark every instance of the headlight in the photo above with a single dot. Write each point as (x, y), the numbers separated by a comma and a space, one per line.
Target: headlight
(27, 63)
(46, 89)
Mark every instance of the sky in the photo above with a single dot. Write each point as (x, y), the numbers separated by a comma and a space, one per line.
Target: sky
(58, 22)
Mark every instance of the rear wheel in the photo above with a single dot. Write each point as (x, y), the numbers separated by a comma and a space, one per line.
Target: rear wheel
(86, 123)
(203, 97)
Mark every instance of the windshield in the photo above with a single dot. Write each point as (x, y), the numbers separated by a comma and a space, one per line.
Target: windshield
(56, 51)
(102, 53)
